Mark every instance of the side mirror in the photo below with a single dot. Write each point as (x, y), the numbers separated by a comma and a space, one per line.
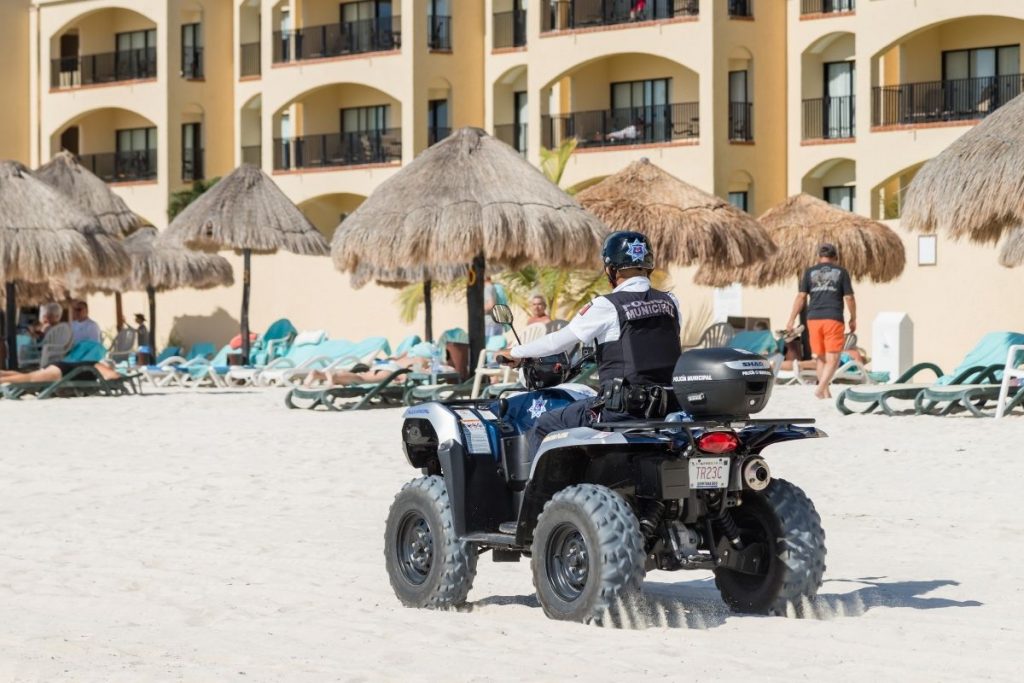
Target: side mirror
(502, 314)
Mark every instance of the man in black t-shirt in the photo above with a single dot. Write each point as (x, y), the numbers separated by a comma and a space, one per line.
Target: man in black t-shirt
(824, 288)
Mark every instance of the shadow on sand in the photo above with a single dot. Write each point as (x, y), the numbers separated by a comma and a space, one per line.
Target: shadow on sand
(697, 604)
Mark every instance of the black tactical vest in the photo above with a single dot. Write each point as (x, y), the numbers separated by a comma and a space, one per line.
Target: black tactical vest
(648, 345)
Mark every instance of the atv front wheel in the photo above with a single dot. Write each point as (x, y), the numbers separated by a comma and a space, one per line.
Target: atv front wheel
(588, 557)
(783, 520)
(427, 564)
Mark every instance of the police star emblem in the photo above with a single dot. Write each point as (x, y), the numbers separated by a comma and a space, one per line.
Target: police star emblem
(637, 250)
(538, 408)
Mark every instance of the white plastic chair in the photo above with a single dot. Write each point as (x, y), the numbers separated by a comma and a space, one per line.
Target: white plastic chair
(57, 341)
(1014, 370)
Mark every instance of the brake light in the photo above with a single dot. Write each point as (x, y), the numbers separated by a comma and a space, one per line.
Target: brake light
(718, 442)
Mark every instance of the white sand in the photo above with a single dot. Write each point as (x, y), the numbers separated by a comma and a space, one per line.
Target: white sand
(219, 536)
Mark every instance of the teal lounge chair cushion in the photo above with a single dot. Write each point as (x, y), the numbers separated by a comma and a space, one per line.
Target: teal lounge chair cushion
(406, 344)
(991, 350)
(85, 350)
(201, 350)
(422, 350)
(761, 342)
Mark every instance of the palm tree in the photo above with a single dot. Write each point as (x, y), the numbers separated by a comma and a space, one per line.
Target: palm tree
(182, 198)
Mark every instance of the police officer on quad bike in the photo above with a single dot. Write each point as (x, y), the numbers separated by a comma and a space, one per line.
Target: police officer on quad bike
(636, 331)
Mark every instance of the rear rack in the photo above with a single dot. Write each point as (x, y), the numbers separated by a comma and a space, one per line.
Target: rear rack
(655, 426)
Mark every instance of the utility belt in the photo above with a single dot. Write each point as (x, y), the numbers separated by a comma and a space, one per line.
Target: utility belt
(650, 401)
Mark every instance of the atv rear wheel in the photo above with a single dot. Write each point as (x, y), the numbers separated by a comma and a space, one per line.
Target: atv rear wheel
(783, 519)
(427, 564)
(588, 557)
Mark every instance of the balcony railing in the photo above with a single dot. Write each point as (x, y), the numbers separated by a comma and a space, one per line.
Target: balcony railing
(334, 40)
(436, 134)
(741, 121)
(829, 118)
(109, 67)
(827, 6)
(192, 165)
(572, 14)
(249, 60)
(626, 126)
(509, 29)
(439, 32)
(192, 63)
(741, 8)
(513, 135)
(338, 149)
(961, 99)
(252, 154)
(117, 167)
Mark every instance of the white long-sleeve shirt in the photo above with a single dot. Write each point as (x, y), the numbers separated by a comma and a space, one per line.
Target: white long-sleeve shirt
(597, 322)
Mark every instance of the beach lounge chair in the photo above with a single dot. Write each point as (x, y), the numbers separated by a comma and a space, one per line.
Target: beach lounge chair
(406, 344)
(386, 392)
(979, 367)
(486, 366)
(273, 344)
(86, 351)
(300, 347)
(761, 342)
(200, 372)
(81, 381)
(165, 370)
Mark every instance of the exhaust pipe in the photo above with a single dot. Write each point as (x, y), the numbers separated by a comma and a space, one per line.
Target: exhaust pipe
(756, 474)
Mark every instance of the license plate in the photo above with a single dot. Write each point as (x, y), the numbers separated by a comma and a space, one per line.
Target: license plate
(709, 473)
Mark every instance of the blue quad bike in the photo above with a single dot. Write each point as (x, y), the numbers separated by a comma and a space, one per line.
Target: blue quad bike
(597, 507)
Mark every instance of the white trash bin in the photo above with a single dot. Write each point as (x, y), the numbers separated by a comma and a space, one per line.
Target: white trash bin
(892, 344)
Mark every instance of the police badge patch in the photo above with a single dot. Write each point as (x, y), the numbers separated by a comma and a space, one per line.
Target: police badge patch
(637, 250)
(538, 408)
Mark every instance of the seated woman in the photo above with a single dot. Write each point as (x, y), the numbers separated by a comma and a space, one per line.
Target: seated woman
(56, 371)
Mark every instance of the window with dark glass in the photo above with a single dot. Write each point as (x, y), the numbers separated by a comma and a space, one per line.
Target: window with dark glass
(439, 18)
(192, 51)
(191, 152)
(520, 117)
(365, 119)
(437, 120)
(841, 196)
(136, 54)
(136, 153)
(739, 200)
(838, 104)
(981, 79)
(643, 105)
(368, 25)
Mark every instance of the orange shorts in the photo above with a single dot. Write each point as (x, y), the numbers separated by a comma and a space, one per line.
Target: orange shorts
(827, 336)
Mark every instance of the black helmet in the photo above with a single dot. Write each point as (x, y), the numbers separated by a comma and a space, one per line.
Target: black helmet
(625, 249)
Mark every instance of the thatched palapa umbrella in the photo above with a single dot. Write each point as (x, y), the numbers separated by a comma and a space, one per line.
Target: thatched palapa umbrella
(64, 174)
(159, 266)
(685, 225)
(247, 212)
(468, 199)
(975, 187)
(799, 225)
(1012, 252)
(41, 236)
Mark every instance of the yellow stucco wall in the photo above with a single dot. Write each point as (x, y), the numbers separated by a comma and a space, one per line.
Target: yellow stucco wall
(14, 80)
(891, 41)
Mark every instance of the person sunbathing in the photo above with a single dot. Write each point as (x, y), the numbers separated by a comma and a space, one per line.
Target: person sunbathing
(56, 371)
(379, 371)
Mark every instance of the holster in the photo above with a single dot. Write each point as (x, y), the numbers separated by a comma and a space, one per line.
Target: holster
(643, 400)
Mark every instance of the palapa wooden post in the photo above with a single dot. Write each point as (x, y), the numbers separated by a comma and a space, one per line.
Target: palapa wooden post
(475, 310)
(11, 318)
(246, 259)
(428, 310)
(118, 311)
(151, 295)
